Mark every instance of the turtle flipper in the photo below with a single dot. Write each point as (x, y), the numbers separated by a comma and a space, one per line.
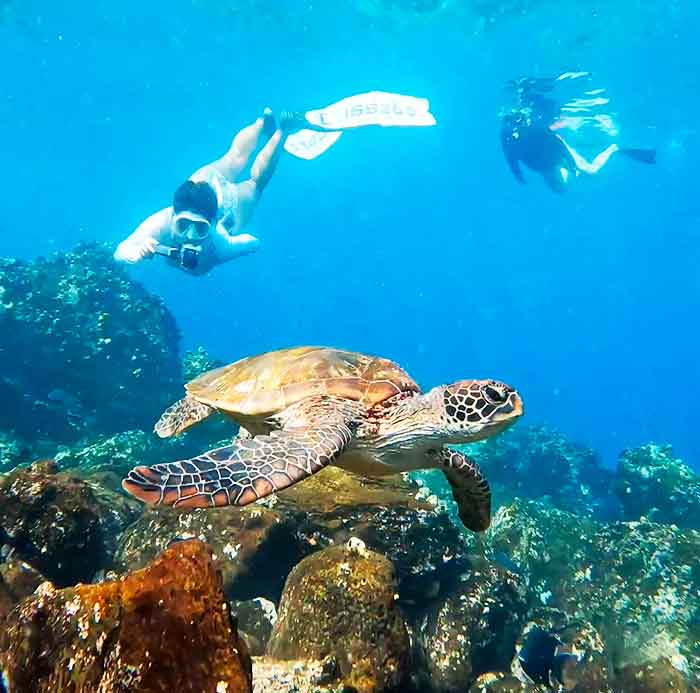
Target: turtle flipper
(243, 472)
(470, 489)
(180, 416)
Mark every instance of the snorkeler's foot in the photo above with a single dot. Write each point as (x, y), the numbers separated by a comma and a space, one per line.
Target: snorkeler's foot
(644, 156)
(292, 121)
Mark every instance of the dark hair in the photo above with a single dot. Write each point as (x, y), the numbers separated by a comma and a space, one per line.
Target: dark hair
(196, 197)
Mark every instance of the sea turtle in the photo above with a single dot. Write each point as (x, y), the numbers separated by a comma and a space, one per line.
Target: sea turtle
(303, 408)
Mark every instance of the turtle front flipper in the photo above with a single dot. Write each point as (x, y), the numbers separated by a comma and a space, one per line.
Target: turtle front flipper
(243, 472)
(180, 416)
(470, 489)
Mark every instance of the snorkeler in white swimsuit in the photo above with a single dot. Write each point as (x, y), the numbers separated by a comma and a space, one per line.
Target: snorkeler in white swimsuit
(204, 226)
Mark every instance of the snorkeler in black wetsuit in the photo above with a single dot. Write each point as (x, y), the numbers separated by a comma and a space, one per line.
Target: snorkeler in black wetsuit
(530, 135)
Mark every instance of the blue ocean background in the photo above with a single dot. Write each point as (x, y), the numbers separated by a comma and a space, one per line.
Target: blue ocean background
(414, 244)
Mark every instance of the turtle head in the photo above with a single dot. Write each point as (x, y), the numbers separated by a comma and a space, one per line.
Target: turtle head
(477, 409)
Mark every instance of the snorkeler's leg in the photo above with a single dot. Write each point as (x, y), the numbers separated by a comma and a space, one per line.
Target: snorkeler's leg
(266, 161)
(244, 143)
(591, 167)
(249, 191)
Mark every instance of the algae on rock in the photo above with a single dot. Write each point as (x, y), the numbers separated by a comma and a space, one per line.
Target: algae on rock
(541, 463)
(635, 582)
(653, 484)
(340, 602)
(58, 523)
(474, 629)
(164, 628)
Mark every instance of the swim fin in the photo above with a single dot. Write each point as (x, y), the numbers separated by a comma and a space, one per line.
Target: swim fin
(645, 156)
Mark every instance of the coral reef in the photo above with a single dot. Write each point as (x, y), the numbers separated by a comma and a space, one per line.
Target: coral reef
(119, 453)
(85, 348)
(197, 361)
(541, 463)
(635, 582)
(13, 450)
(58, 523)
(164, 628)
(340, 602)
(653, 484)
(474, 630)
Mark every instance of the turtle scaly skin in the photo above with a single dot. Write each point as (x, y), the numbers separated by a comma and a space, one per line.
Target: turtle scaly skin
(308, 407)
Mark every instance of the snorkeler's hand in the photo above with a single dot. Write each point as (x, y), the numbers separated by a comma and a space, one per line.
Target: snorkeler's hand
(148, 249)
(134, 252)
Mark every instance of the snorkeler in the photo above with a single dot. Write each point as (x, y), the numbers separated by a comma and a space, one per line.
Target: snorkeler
(532, 132)
(203, 227)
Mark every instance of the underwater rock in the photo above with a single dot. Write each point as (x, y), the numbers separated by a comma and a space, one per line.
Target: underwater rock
(555, 651)
(255, 619)
(259, 544)
(657, 677)
(653, 484)
(255, 547)
(164, 628)
(341, 602)
(541, 463)
(17, 581)
(474, 630)
(86, 349)
(296, 676)
(500, 682)
(58, 523)
(391, 516)
(635, 582)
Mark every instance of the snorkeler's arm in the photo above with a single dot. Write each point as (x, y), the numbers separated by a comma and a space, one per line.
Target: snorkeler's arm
(513, 163)
(511, 157)
(141, 243)
(229, 247)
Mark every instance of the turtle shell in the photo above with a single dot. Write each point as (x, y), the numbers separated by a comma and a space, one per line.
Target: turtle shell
(263, 385)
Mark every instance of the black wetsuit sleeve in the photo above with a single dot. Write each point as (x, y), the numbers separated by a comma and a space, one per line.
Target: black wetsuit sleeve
(512, 159)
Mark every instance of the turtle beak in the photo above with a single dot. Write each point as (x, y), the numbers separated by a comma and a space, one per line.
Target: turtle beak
(510, 411)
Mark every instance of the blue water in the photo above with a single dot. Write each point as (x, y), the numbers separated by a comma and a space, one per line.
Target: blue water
(414, 244)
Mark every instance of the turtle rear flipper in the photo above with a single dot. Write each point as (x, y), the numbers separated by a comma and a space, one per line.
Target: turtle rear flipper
(470, 489)
(180, 416)
(246, 470)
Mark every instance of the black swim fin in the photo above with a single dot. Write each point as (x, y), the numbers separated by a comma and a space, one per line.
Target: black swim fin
(645, 156)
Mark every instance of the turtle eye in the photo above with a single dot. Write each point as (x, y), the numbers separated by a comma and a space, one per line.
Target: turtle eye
(494, 396)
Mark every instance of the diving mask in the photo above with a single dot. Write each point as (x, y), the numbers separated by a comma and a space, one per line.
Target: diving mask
(191, 227)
